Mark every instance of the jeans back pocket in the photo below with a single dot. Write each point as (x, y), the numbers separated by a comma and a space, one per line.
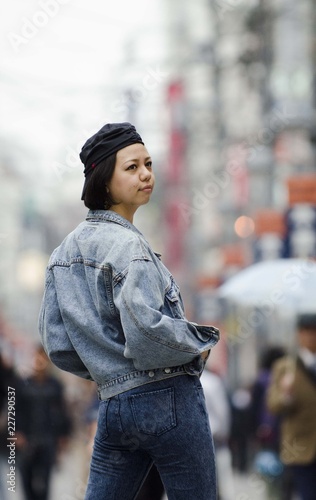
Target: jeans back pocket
(154, 412)
(102, 428)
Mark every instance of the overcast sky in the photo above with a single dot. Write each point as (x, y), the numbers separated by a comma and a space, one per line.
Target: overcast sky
(61, 61)
(67, 40)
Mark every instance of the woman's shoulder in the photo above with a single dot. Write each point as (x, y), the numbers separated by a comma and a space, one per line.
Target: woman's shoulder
(122, 242)
(102, 242)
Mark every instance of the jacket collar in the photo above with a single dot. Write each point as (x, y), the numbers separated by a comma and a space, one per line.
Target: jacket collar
(110, 216)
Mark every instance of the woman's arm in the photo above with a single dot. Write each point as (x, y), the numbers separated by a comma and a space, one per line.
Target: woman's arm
(54, 336)
(155, 336)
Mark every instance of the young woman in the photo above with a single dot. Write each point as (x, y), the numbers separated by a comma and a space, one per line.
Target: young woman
(112, 313)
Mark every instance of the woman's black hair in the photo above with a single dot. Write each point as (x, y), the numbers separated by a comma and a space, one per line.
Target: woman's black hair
(270, 355)
(96, 196)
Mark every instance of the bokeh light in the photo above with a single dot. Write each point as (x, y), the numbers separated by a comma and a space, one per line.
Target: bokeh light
(244, 226)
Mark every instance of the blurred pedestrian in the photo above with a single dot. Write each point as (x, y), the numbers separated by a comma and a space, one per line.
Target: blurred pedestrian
(113, 313)
(219, 411)
(239, 440)
(9, 394)
(292, 395)
(43, 425)
(265, 426)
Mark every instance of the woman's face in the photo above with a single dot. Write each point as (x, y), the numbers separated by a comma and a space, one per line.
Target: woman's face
(132, 181)
(307, 339)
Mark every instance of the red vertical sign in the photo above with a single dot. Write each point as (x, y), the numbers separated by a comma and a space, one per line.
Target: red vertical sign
(175, 178)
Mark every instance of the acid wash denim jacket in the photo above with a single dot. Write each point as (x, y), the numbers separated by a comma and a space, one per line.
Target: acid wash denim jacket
(112, 312)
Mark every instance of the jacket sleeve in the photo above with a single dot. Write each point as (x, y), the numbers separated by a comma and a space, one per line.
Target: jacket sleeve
(155, 338)
(277, 401)
(54, 336)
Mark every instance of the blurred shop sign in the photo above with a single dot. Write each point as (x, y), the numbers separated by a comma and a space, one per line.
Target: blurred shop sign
(234, 255)
(176, 228)
(300, 240)
(177, 137)
(176, 155)
(174, 177)
(270, 229)
(269, 221)
(302, 189)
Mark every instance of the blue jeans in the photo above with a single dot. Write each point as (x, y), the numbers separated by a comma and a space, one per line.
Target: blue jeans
(163, 422)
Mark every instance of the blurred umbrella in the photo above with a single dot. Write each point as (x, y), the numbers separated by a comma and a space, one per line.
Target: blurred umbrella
(281, 283)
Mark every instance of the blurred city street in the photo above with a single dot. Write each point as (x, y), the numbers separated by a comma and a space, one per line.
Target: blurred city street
(68, 480)
(68, 484)
(223, 94)
(225, 99)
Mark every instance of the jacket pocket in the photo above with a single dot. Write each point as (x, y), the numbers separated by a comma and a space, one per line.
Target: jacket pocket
(174, 300)
(154, 412)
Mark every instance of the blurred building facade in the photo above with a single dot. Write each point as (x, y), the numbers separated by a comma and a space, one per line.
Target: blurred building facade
(247, 79)
(241, 103)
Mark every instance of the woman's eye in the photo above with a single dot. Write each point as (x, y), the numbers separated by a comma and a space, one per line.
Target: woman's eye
(149, 164)
(132, 167)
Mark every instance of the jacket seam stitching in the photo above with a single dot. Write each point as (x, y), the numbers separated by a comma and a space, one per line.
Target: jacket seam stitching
(154, 338)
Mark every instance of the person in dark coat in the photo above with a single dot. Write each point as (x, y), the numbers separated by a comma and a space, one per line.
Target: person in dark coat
(292, 396)
(9, 396)
(43, 426)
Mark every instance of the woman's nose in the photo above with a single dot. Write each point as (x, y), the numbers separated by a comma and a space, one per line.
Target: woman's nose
(145, 173)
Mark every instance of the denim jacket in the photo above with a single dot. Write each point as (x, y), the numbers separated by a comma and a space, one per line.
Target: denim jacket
(112, 312)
